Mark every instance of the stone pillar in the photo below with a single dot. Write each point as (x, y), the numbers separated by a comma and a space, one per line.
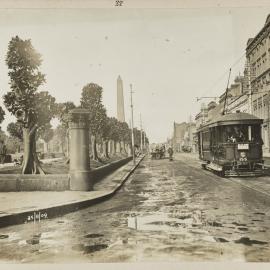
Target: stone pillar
(79, 166)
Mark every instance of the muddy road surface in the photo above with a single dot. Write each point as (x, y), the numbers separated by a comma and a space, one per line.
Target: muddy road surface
(166, 211)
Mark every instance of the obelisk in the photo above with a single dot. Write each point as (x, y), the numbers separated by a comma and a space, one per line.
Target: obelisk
(120, 100)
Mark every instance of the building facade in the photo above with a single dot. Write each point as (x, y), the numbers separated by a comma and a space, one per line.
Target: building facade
(237, 95)
(183, 136)
(258, 58)
(202, 116)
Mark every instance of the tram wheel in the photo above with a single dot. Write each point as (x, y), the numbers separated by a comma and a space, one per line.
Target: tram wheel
(203, 166)
(221, 173)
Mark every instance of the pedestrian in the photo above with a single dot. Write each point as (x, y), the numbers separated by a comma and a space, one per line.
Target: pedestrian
(170, 152)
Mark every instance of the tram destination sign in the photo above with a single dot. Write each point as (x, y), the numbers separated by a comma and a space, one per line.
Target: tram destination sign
(243, 146)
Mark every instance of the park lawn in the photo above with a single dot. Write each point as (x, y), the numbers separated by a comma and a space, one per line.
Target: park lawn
(59, 166)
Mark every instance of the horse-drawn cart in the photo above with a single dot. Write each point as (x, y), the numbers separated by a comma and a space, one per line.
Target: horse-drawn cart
(158, 153)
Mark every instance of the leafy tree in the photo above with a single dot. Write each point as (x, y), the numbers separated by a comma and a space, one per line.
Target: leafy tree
(113, 133)
(91, 99)
(137, 137)
(15, 140)
(32, 109)
(61, 133)
(106, 135)
(2, 115)
(63, 110)
(47, 135)
(2, 136)
(124, 135)
(15, 130)
(3, 148)
(13, 144)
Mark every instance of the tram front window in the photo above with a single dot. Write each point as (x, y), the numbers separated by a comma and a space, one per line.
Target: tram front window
(242, 133)
(236, 133)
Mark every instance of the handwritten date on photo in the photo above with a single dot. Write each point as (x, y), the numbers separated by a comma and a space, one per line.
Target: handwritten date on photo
(119, 3)
(36, 217)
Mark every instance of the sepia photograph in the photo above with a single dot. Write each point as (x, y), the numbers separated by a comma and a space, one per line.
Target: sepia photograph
(134, 133)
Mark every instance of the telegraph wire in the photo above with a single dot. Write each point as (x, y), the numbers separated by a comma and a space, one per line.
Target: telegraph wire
(221, 77)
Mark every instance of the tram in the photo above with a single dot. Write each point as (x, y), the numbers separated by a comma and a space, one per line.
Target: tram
(231, 145)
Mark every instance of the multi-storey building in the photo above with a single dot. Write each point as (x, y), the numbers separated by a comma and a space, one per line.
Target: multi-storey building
(237, 95)
(202, 116)
(258, 58)
(183, 136)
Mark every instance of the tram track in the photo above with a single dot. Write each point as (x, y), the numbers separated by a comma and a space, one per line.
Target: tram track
(194, 164)
(248, 187)
(238, 183)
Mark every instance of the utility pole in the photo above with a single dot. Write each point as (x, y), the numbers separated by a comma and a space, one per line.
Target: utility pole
(132, 131)
(144, 139)
(189, 133)
(141, 132)
(249, 87)
(226, 93)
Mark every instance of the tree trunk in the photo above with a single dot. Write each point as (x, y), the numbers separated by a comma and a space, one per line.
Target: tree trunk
(94, 148)
(67, 143)
(124, 148)
(62, 147)
(118, 147)
(45, 147)
(112, 148)
(106, 144)
(101, 148)
(110, 145)
(31, 164)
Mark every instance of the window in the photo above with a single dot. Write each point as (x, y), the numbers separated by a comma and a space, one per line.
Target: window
(206, 140)
(265, 109)
(255, 105)
(260, 106)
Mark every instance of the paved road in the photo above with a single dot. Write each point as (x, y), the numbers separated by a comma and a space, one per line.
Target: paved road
(167, 211)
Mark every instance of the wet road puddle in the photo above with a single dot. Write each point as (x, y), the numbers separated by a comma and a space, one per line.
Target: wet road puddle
(93, 235)
(188, 225)
(86, 249)
(248, 242)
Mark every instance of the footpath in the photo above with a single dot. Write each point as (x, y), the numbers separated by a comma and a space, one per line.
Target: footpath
(24, 207)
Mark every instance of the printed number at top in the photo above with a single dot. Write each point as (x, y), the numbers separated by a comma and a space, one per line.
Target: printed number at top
(119, 3)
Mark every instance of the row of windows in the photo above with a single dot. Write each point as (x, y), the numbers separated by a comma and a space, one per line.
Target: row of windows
(260, 107)
(260, 48)
(261, 64)
(261, 82)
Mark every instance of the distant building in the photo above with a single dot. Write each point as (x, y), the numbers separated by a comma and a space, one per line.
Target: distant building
(258, 59)
(237, 100)
(237, 96)
(202, 116)
(183, 136)
(120, 100)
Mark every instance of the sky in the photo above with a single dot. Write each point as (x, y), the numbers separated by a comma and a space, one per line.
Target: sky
(170, 56)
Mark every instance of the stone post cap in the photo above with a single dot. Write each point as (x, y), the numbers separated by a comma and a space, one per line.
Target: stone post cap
(79, 111)
(78, 115)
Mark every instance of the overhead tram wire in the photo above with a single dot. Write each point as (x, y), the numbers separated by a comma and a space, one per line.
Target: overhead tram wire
(220, 78)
